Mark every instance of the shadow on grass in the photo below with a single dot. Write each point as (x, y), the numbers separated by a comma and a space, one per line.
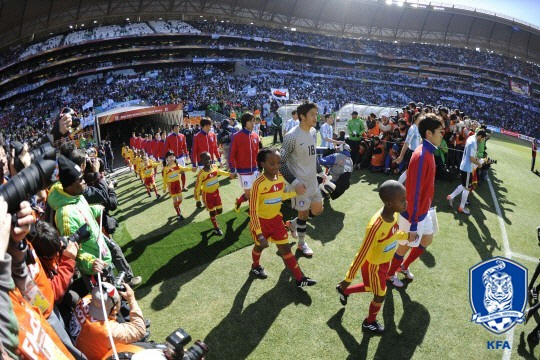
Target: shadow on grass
(478, 234)
(522, 348)
(319, 228)
(370, 178)
(242, 329)
(199, 257)
(393, 344)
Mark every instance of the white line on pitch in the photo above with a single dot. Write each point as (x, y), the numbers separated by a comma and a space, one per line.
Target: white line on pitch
(507, 354)
(525, 257)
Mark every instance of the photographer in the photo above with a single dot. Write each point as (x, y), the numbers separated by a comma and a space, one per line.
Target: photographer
(26, 298)
(87, 326)
(57, 257)
(72, 212)
(98, 191)
(377, 155)
(372, 125)
(8, 324)
(339, 167)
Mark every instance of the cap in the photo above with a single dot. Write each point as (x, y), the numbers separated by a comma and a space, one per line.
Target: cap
(111, 298)
(68, 171)
(176, 124)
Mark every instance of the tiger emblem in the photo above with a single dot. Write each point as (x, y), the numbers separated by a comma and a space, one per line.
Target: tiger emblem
(499, 291)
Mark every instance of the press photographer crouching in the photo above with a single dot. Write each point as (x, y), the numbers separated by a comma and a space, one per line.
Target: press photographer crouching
(339, 166)
(88, 327)
(22, 315)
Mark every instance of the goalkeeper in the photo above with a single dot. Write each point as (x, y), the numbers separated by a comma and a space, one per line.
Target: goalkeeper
(339, 167)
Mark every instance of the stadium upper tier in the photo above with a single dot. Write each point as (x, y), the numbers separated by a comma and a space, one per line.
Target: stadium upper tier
(17, 58)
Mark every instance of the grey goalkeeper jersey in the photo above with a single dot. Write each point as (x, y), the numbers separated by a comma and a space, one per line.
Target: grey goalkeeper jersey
(298, 159)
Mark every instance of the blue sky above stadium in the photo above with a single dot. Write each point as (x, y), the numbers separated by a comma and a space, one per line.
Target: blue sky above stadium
(526, 10)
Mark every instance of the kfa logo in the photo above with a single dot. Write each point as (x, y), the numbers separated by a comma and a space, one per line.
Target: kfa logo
(498, 293)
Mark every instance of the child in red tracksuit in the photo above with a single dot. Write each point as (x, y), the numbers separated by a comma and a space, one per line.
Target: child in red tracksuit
(147, 175)
(176, 142)
(208, 184)
(204, 141)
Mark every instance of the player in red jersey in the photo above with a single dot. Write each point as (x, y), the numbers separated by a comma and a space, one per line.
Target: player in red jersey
(177, 143)
(243, 157)
(418, 220)
(204, 141)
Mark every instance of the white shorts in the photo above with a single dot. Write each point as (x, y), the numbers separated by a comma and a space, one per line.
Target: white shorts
(303, 203)
(246, 181)
(425, 227)
(181, 160)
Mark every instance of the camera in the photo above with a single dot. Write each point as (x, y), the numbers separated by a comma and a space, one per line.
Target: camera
(27, 182)
(538, 234)
(75, 119)
(176, 342)
(81, 235)
(117, 281)
(44, 151)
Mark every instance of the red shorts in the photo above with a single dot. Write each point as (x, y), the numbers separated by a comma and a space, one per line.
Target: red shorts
(273, 230)
(175, 188)
(149, 181)
(374, 277)
(212, 200)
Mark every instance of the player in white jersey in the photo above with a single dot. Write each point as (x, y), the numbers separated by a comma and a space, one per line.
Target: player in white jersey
(469, 162)
(299, 167)
(412, 141)
(292, 122)
(327, 134)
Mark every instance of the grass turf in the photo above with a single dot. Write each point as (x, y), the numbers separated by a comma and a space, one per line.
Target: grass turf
(188, 282)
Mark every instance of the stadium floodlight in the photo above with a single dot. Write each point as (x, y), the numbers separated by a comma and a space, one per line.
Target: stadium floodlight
(399, 3)
(477, 49)
(71, 26)
(127, 19)
(388, 2)
(95, 21)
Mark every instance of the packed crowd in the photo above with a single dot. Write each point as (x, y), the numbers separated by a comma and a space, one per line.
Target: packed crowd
(24, 118)
(411, 51)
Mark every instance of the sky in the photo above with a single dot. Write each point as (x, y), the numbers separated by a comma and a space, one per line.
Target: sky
(526, 10)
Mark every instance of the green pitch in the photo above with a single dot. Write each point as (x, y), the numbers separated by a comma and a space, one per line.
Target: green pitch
(198, 281)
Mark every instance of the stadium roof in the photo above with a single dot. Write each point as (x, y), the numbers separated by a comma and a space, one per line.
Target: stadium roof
(412, 20)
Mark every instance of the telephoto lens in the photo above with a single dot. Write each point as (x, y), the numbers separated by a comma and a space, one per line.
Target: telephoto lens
(27, 182)
(196, 351)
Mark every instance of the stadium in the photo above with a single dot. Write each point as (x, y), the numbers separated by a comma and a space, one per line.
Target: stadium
(168, 68)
